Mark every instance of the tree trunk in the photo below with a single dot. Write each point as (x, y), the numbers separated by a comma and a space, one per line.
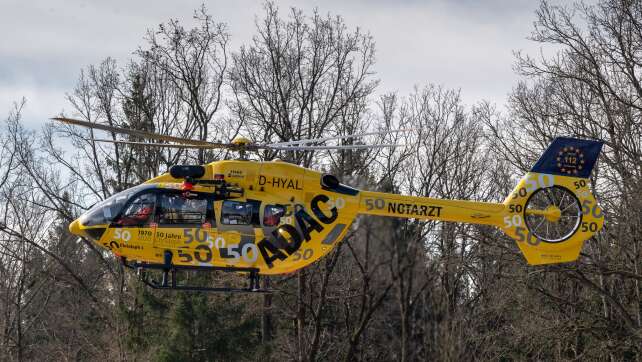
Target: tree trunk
(300, 316)
(266, 317)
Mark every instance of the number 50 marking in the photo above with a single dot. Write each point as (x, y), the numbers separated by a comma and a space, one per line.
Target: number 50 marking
(234, 255)
(515, 220)
(339, 203)
(543, 180)
(375, 204)
(122, 234)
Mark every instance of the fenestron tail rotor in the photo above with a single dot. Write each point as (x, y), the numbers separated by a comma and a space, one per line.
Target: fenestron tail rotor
(238, 144)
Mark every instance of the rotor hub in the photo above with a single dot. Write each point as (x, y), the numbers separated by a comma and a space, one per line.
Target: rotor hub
(553, 213)
(241, 141)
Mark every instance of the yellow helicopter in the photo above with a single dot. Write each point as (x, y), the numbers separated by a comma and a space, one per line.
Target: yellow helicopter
(267, 218)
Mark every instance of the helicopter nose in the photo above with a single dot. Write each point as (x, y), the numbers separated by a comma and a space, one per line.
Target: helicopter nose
(74, 228)
(92, 233)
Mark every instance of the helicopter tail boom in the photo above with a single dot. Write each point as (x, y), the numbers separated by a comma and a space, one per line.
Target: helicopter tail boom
(550, 213)
(426, 208)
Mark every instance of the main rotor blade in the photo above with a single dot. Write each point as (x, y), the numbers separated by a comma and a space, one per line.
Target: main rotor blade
(315, 140)
(170, 145)
(138, 133)
(248, 147)
(311, 148)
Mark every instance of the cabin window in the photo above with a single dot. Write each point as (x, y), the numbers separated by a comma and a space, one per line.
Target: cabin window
(181, 209)
(272, 215)
(240, 213)
(139, 212)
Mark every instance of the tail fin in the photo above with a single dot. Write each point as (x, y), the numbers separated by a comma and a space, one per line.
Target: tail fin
(552, 212)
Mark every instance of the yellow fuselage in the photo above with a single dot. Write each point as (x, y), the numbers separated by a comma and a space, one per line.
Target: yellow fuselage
(237, 231)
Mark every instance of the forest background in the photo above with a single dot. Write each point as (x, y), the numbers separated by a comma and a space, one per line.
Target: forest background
(393, 289)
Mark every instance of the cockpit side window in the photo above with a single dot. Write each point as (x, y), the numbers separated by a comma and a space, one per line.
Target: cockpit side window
(272, 215)
(138, 212)
(105, 211)
(240, 212)
(182, 209)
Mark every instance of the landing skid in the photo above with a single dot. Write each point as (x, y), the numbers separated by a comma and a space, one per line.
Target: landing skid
(170, 272)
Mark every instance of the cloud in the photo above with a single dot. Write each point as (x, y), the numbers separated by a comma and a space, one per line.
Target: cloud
(457, 44)
(460, 44)
(42, 102)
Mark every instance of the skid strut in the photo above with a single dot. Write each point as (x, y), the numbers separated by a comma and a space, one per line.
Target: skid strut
(170, 271)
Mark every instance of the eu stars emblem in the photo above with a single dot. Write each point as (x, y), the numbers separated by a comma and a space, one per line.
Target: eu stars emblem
(570, 160)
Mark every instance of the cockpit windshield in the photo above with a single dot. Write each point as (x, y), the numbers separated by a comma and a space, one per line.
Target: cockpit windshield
(105, 211)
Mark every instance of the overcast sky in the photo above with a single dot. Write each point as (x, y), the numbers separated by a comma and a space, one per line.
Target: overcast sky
(461, 44)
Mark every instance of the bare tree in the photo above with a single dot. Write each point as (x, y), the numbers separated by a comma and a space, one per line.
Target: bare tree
(195, 61)
(590, 89)
(393, 289)
(299, 77)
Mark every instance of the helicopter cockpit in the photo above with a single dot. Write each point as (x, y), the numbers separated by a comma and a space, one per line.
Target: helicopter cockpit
(105, 211)
(147, 206)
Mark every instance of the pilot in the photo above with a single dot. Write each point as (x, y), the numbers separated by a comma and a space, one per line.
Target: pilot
(139, 217)
(272, 215)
